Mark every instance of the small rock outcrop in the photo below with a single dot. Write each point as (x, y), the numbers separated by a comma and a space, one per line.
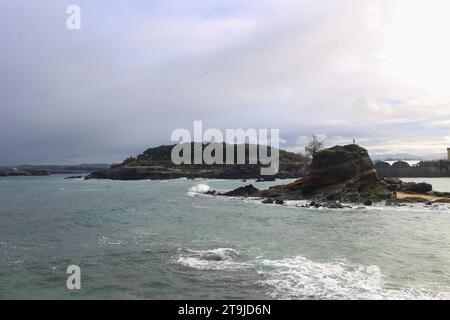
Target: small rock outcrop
(247, 191)
(395, 184)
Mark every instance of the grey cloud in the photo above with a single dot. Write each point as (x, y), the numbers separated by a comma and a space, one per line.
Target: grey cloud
(138, 70)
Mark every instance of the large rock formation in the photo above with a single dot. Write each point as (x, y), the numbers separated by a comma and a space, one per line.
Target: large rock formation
(344, 173)
(341, 164)
(341, 168)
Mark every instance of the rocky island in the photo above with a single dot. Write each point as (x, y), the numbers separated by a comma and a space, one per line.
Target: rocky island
(156, 164)
(343, 174)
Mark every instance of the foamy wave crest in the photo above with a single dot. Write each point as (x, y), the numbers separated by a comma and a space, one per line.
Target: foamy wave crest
(199, 189)
(215, 259)
(300, 278)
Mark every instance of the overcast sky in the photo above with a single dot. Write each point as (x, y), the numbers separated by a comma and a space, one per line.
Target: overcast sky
(376, 71)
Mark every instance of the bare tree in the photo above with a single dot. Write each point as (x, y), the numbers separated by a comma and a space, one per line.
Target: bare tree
(314, 146)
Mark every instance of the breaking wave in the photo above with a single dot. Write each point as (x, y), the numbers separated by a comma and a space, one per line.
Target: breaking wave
(215, 259)
(300, 278)
(199, 189)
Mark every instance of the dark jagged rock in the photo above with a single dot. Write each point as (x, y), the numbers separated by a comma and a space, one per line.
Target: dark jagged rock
(423, 188)
(139, 173)
(247, 191)
(325, 204)
(266, 179)
(420, 187)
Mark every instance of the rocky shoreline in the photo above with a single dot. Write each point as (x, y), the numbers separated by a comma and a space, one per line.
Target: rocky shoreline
(237, 172)
(339, 175)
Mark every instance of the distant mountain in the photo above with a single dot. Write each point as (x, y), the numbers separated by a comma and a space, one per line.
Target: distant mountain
(56, 169)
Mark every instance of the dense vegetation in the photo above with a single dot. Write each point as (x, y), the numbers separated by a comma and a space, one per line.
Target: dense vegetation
(162, 155)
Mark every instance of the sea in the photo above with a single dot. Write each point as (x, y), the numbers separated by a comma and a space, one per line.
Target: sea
(168, 240)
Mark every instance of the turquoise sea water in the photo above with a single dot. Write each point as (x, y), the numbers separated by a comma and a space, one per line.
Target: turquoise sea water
(166, 240)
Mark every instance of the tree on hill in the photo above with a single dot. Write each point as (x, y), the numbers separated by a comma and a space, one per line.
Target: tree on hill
(314, 146)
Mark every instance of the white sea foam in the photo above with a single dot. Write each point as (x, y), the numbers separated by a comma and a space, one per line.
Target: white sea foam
(107, 241)
(199, 189)
(215, 259)
(300, 278)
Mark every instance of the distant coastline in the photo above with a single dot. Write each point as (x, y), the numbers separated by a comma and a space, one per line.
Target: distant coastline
(43, 170)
